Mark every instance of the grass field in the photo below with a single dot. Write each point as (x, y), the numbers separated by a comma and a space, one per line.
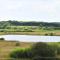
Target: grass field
(29, 30)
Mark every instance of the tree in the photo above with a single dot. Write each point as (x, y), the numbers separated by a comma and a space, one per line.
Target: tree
(43, 50)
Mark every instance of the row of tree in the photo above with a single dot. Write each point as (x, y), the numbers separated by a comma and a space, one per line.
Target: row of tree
(4, 24)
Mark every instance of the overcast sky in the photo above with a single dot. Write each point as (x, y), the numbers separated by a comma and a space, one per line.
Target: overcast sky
(30, 10)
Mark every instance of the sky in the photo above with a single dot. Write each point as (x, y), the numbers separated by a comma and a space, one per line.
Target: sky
(30, 10)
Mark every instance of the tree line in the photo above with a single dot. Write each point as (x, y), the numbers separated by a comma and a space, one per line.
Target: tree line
(32, 23)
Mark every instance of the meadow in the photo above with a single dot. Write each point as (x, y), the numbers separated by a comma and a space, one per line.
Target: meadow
(29, 30)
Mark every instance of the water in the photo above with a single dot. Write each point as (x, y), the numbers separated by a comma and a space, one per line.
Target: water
(31, 38)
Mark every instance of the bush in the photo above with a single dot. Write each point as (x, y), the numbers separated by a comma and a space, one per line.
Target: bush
(21, 53)
(46, 34)
(51, 34)
(17, 44)
(39, 51)
(43, 50)
(2, 39)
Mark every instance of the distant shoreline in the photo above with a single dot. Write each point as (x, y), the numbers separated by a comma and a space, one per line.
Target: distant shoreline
(32, 33)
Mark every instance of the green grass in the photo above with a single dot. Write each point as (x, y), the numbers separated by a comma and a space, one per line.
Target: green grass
(28, 30)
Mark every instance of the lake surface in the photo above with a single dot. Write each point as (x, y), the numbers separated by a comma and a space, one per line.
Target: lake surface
(31, 38)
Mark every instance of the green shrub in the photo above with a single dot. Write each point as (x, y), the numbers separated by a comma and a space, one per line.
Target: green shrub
(51, 34)
(17, 44)
(39, 51)
(21, 53)
(46, 34)
(43, 50)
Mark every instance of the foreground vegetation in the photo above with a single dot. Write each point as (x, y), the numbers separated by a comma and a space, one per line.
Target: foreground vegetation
(29, 28)
(6, 47)
(14, 50)
(39, 51)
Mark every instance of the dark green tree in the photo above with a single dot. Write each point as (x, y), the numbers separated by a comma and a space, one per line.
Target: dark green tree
(43, 51)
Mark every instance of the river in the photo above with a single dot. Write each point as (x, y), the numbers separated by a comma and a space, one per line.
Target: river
(31, 38)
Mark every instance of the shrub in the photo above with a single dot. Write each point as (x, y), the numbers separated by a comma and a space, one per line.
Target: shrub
(43, 50)
(17, 44)
(2, 39)
(21, 53)
(39, 51)
(46, 34)
(51, 34)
